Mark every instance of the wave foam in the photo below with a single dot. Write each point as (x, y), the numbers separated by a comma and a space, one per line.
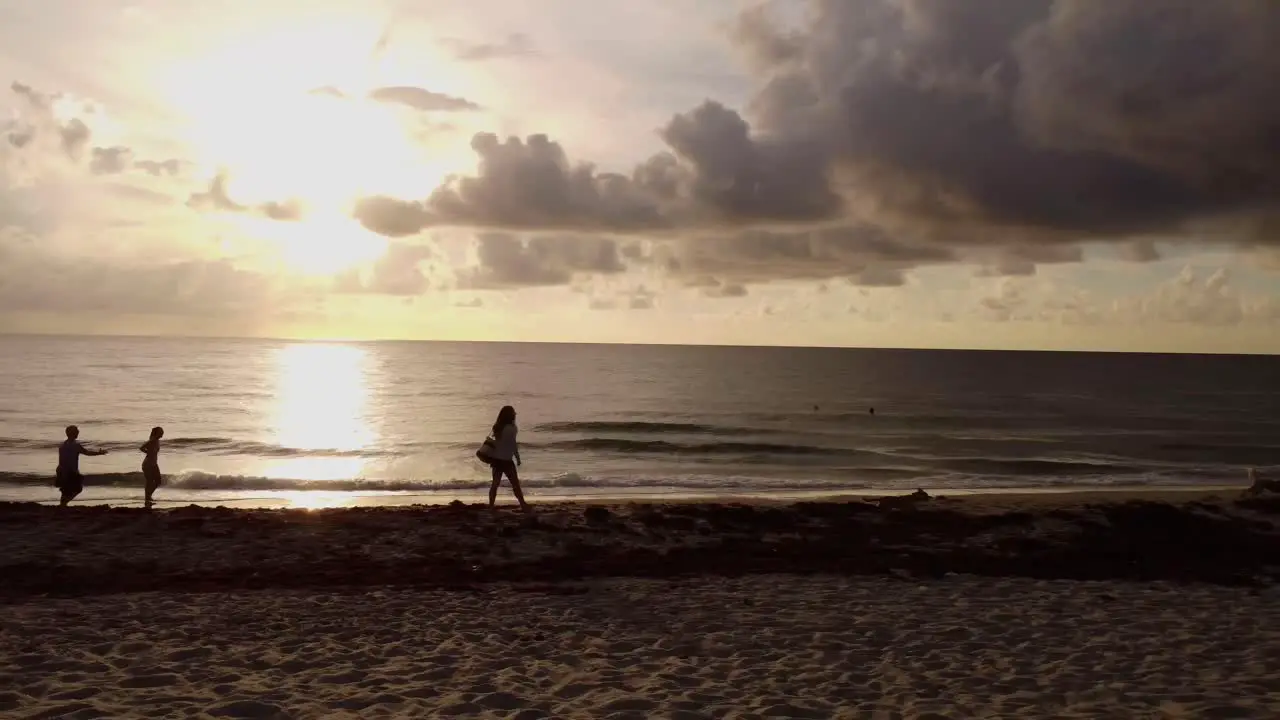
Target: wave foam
(204, 481)
(207, 445)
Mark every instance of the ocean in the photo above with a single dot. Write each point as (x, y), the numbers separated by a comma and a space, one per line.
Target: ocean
(263, 422)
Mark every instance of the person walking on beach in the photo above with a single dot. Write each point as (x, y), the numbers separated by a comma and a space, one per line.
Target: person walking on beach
(503, 455)
(69, 480)
(151, 464)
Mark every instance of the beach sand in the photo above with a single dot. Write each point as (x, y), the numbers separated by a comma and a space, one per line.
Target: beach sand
(765, 646)
(1132, 605)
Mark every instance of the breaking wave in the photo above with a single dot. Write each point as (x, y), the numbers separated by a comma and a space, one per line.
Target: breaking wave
(196, 480)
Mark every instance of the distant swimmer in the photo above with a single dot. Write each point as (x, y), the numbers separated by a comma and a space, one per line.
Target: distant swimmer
(69, 480)
(151, 464)
(872, 411)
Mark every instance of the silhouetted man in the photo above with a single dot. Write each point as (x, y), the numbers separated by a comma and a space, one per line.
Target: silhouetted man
(70, 481)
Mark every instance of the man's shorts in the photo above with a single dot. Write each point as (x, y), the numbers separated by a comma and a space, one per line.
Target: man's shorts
(70, 483)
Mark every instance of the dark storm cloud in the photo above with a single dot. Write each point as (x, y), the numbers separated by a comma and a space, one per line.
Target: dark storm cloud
(716, 175)
(914, 132)
(864, 254)
(1023, 260)
(508, 261)
(1060, 118)
(884, 135)
(533, 185)
(745, 178)
(987, 124)
(421, 99)
(397, 272)
(391, 217)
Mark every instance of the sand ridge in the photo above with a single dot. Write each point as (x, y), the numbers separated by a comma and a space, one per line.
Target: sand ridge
(765, 646)
(95, 550)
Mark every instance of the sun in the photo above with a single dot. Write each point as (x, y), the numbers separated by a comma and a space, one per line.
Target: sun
(323, 151)
(322, 243)
(252, 111)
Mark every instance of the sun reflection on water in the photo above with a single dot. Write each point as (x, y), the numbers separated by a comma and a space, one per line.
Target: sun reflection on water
(316, 499)
(321, 406)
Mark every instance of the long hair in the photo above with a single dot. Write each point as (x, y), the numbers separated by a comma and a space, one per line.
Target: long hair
(506, 416)
(157, 432)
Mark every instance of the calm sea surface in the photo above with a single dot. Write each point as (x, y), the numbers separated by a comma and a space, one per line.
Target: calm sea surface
(313, 424)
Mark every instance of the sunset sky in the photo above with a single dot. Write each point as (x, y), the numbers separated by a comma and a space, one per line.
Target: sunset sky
(912, 173)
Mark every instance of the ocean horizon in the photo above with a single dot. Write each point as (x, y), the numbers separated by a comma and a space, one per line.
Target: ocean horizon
(312, 423)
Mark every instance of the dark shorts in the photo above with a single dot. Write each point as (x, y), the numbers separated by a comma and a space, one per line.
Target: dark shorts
(504, 466)
(70, 483)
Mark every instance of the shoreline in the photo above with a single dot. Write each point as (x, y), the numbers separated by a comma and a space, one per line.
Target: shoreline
(313, 499)
(1189, 536)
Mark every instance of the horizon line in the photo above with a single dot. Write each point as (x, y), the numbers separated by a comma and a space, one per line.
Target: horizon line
(651, 343)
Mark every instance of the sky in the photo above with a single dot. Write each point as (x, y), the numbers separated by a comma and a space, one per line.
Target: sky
(1045, 174)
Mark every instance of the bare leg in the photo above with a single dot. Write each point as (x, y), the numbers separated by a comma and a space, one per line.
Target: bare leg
(497, 480)
(153, 482)
(514, 476)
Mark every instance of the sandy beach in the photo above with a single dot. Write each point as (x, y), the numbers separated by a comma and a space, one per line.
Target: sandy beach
(766, 646)
(1125, 605)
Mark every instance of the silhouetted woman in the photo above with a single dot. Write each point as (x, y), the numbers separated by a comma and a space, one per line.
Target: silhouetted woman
(151, 463)
(505, 456)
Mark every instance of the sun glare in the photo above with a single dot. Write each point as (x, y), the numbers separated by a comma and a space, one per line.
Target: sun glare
(253, 112)
(321, 407)
(321, 150)
(316, 499)
(323, 243)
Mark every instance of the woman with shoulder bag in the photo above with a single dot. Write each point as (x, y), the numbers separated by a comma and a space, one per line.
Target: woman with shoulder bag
(500, 452)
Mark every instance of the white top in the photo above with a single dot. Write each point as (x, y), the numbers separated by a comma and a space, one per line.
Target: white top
(506, 448)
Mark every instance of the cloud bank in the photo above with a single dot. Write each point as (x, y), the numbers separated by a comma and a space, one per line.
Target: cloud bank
(886, 134)
(882, 136)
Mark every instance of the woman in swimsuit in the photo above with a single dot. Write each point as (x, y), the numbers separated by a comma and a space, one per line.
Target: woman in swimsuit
(151, 463)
